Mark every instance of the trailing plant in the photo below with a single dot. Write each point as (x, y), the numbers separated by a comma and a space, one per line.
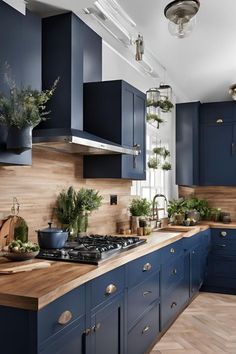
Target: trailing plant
(166, 166)
(162, 151)
(24, 106)
(140, 207)
(165, 105)
(151, 117)
(153, 163)
(152, 103)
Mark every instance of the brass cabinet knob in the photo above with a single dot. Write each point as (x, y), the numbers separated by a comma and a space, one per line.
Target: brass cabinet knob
(110, 289)
(65, 318)
(147, 267)
(172, 250)
(96, 327)
(219, 121)
(223, 233)
(174, 271)
(174, 304)
(146, 329)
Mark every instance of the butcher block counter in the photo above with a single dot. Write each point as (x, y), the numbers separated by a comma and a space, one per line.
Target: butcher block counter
(36, 289)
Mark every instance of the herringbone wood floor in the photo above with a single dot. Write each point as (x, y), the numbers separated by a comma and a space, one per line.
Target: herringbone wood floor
(208, 325)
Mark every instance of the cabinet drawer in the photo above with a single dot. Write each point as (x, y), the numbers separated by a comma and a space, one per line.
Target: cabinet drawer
(171, 274)
(172, 251)
(67, 341)
(107, 286)
(142, 336)
(224, 247)
(142, 296)
(221, 267)
(140, 269)
(223, 235)
(172, 304)
(61, 313)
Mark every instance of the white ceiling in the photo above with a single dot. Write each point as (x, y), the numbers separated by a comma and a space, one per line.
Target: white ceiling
(202, 65)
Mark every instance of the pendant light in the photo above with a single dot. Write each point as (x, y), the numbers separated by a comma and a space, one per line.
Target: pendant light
(232, 91)
(182, 17)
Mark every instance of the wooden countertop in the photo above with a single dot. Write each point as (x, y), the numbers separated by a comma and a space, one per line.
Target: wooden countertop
(36, 289)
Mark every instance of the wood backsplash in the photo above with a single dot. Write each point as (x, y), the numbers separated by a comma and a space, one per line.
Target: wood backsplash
(36, 188)
(218, 197)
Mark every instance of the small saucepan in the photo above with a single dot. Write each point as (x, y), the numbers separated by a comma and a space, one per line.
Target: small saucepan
(52, 237)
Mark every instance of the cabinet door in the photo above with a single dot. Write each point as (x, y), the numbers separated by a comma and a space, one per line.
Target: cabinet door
(133, 132)
(218, 165)
(70, 342)
(195, 269)
(108, 326)
(187, 143)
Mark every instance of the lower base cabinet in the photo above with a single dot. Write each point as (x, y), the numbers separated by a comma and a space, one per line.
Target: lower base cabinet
(142, 336)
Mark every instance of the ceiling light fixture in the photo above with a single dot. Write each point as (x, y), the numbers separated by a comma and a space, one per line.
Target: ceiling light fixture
(139, 43)
(232, 91)
(182, 17)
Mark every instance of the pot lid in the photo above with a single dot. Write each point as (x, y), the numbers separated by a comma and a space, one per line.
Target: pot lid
(51, 229)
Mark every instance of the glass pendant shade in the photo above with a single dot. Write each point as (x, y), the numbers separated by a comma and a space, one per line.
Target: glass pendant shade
(182, 29)
(182, 17)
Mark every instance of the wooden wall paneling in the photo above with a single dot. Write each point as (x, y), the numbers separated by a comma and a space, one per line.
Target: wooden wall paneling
(37, 187)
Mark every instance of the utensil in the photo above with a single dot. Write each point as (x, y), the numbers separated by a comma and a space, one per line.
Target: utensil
(51, 237)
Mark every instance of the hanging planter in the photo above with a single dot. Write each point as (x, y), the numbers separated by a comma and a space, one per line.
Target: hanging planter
(165, 105)
(21, 111)
(155, 162)
(166, 166)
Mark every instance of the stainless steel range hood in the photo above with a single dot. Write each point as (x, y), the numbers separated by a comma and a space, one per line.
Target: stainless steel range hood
(78, 142)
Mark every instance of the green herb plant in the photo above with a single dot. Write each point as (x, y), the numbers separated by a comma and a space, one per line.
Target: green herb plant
(140, 207)
(24, 106)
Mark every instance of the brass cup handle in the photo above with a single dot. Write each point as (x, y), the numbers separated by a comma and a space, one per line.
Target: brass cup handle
(65, 318)
(146, 329)
(223, 234)
(110, 289)
(172, 250)
(147, 267)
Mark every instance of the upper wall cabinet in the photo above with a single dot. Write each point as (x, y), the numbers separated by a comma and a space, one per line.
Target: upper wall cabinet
(217, 144)
(20, 38)
(206, 138)
(115, 111)
(187, 143)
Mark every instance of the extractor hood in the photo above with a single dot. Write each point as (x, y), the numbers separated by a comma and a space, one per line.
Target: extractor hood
(79, 142)
(72, 52)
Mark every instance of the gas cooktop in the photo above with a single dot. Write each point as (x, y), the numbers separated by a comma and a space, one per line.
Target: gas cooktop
(91, 249)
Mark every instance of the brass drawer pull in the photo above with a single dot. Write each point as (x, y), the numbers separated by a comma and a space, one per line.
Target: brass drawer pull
(146, 329)
(65, 318)
(110, 289)
(223, 234)
(174, 304)
(172, 250)
(147, 293)
(174, 271)
(147, 267)
(219, 121)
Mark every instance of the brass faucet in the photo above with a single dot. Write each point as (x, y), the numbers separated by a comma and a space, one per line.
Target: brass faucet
(155, 208)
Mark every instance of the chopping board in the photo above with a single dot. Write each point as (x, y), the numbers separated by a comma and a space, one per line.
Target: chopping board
(12, 269)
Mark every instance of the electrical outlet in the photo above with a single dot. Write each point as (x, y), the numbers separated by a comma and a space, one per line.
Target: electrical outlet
(113, 199)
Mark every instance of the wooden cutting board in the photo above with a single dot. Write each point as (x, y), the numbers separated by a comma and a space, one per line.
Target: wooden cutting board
(5, 269)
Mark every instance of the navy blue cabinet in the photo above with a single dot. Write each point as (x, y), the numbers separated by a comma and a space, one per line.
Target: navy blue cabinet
(206, 144)
(187, 143)
(20, 38)
(221, 263)
(115, 111)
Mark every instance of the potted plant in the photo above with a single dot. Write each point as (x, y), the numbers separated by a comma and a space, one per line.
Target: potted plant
(73, 208)
(20, 112)
(176, 211)
(166, 166)
(155, 162)
(165, 105)
(139, 207)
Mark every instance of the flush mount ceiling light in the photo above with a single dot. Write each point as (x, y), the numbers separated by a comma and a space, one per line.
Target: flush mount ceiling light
(182, 17)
